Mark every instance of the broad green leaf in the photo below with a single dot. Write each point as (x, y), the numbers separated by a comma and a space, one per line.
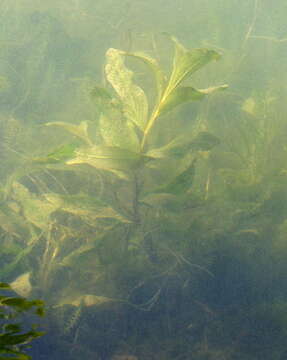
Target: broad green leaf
(204, 141)
(159, 75)
(81, 130)
(85, 207)
(12, 328)
(60, 155)
(116, 131)
(181, 183)
(16, 355)
(109, 158)
(167, 150)
(5, 286)
(180, 95)
(135, 106)
(186, 62)
(16, 302)
(179, 146)
(8, 340)
(103, 98)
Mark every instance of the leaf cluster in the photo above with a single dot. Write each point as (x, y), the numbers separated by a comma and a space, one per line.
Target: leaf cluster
(14, 339)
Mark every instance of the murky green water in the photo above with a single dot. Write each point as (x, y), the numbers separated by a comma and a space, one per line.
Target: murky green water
(143, 176)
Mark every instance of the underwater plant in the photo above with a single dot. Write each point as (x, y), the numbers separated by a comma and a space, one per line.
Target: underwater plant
(134, 169)
(125, 145)
(92, 225)
(14, 338)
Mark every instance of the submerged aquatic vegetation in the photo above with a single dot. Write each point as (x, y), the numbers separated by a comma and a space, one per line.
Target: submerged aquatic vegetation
(140, 223)
(91, 235)
(14, 336)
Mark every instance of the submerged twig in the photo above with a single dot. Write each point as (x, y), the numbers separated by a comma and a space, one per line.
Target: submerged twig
(252, 24)
(270, 38)
(181, 258)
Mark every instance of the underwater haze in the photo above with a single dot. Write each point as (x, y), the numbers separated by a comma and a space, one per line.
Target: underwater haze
(143, 179)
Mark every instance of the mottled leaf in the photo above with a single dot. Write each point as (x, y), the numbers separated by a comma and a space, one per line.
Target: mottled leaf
(117, 131)
(135, 106)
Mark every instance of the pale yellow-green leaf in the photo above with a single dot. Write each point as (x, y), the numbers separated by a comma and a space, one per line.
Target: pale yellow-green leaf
(109, 158)
(81, 130)
(213, 89)
(152, 63)
(117, 131)
(185, 94)
(186, 62)
(135, 105)
(22, 285)
(37, 211)
(86, 300)
(249, 106)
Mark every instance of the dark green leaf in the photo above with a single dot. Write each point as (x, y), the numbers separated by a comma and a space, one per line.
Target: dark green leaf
(60, 155)
(204, 141)
(4, 286)
(8, 340)
(180, 96)
(12, 328)
(17, 302)
(181, 183)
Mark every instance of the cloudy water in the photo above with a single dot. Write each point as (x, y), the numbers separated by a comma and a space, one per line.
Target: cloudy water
(143, 179)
